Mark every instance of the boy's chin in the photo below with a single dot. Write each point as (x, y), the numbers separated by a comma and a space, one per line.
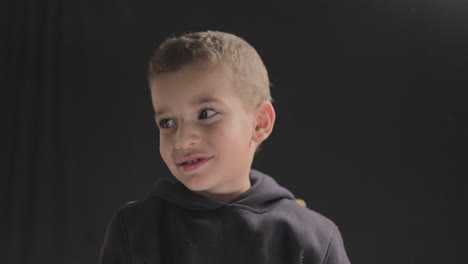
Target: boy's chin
(196, 182)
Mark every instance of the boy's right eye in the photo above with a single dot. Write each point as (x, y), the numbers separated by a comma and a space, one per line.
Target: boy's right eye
(166, 123)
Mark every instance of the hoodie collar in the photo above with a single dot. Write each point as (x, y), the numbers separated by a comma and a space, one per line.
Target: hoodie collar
(260, 197)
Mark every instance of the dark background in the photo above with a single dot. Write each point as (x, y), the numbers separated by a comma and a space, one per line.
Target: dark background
(371, 118)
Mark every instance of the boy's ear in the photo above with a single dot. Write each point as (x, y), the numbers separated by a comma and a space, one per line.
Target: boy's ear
(264, 121)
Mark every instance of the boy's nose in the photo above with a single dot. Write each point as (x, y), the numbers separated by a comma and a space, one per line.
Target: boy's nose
(186, 137)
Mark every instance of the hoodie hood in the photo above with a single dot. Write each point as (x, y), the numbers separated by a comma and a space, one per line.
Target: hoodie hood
(262, 195)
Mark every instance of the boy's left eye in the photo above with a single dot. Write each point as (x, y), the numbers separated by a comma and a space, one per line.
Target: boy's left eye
(205, 113)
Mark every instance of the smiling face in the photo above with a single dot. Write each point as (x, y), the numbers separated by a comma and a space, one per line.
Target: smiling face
(206, 133)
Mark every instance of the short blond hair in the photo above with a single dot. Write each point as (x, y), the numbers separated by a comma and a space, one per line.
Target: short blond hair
(213, 48)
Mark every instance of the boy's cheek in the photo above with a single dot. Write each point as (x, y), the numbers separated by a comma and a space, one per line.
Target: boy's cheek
(164, 150)
(164, 138)
(166, 158)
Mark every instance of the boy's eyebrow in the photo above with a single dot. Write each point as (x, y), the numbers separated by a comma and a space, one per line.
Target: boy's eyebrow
(160, 111)
(197, 101)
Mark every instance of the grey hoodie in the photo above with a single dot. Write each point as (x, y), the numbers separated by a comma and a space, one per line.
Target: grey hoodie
(262, 225)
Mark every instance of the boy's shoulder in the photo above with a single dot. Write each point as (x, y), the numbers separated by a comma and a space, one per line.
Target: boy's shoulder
(295, 210)
(294, 213)
(139, 207)
(311, 228)
(134, 213)
(301, 217)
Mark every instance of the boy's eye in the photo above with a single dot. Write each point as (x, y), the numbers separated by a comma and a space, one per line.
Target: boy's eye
(205, 113)
(166, 123)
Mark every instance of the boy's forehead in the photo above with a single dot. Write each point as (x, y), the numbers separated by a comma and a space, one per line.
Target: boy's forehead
(191, 80)
(193, 86)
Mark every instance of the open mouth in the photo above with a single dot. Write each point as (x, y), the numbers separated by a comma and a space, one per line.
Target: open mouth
(192, 161)
(194, 164)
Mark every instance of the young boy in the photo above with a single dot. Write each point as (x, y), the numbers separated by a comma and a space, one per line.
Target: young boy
(211, 96)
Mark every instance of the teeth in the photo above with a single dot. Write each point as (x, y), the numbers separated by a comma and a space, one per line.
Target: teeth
(192, 161)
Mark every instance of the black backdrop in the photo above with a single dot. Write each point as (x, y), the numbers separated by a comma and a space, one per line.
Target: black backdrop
(371, 118)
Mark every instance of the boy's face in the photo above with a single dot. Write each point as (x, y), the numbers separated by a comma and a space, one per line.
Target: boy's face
(202, 119)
